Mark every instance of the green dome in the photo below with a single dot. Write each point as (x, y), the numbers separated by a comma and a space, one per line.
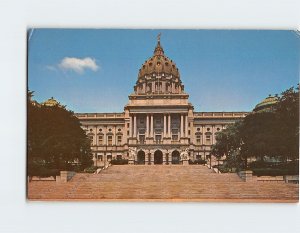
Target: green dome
(267, 104)
(51, 102)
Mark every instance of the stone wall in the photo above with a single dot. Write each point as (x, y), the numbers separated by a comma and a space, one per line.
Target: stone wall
(65, 176)
(246, 176)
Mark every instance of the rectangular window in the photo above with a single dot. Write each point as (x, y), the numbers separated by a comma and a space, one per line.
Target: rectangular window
(174, 137)
(207, 138)
(189, 132)
(100, 157)
(109, 140)
(127, 132)
(198, 139)
(100, 140)
(119, 139)
(142, 139)
(158, 138)
(142, 121)
(174, 131)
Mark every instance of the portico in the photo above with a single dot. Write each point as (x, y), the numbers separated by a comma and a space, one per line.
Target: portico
(161, 127)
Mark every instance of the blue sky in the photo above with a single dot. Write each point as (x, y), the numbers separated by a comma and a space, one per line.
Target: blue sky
(222, 70)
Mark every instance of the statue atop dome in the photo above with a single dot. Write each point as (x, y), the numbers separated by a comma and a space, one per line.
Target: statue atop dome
(158, 49)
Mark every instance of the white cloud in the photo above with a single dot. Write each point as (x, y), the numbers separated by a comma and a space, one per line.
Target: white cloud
(53, 68)
(78, 65)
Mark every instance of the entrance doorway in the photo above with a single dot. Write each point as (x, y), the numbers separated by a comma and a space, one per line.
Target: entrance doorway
(175, 157)
(158, 157)
(141, 157)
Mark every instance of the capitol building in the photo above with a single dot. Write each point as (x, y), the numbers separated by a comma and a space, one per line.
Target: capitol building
(159, 124)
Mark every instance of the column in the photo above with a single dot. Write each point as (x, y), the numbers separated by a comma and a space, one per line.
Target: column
(181, 126)
(130, 126)
(170, 158)
(213, 134)
(134, 126)
(186, 126)
(165, 125)
(203, 135)
(164, 87)
(169, 125)
(151, 127)
(144, 87)
(153, 86)
(105, 137)
(147, 125)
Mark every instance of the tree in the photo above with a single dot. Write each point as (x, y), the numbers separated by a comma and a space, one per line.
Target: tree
(55, 138)
(274, 133)
(228, 142)
(271, 133)
(287, 112)
(259, 133)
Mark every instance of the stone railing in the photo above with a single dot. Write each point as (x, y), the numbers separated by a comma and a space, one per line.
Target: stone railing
(277, 179)
(106, 165)
(248, 176)
(220, 114)
(292, 179)
(99, 115)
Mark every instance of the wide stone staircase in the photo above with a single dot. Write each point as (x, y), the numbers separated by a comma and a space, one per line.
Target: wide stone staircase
(177, 182)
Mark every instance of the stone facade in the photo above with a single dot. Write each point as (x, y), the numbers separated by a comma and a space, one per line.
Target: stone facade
(158, 125)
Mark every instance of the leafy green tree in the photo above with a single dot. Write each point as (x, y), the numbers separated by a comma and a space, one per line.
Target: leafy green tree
(269, 133)
(259, 133)
(55, 138)
(287, 112)
(228, 142)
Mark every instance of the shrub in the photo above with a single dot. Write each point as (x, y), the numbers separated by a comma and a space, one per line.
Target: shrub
(119, 161)
(91, 169)
(42, 171)
(275, 169)
(200, 161)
